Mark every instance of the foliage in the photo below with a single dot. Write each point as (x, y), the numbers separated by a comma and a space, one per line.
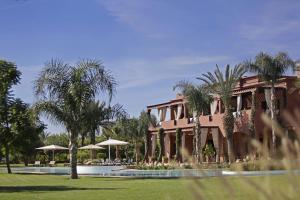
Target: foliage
(271, 69)
(198, 101)
(27, 128)
(60, 139)
(65, 91)
(145, 121)
(178, 144)
(135, 130)
(97, 114)
(9, 76)
(208, 150)
(161, 144)
(223, 85)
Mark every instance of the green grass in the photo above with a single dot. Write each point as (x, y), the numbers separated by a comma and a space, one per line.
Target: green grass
(18, 186)
(2, 165)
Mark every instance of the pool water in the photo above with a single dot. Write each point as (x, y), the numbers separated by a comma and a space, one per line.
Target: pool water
(122, 171)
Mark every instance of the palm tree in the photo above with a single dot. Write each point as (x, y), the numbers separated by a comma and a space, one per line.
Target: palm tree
(145, 120)
(223, 85)
(96, 115)
(64, 91)
(130, 129)
(271, 69)
(198, 101)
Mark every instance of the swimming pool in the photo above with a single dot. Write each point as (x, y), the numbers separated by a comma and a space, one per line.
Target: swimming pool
(121, 171)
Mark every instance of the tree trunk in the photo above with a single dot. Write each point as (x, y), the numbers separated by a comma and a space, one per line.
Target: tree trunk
(82, 140)
(93, 137)
(228, 121)
(7, 159)
(273, 118)
(161, 143)
(26, 161)
(194, 144)
(147, 144)
(126, 153)
(137, 152)
(93, 141)
(198, 140)
(252, 124)
(178, 144)
(73, 156)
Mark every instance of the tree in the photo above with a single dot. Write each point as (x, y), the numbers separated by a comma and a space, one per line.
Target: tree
(161, 144)
(130, 129)
(136, 130)
(27, 129)
(9, 76)
(271, 69)
(198, 101)
(178, 144)
(64, 92)
(223, 85)
(96, 115)
(145, 121)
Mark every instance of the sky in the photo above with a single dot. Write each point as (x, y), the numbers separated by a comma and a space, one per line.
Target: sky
(148, 45)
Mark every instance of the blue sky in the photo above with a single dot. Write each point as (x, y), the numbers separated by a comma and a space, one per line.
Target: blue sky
(148, 45)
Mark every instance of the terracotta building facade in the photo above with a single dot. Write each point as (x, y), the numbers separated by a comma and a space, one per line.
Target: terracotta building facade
(175, 114)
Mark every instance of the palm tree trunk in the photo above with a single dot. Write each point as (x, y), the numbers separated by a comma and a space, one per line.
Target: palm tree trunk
(93, 137)
(252, 123)
(273, 118)
(82, 140)
(147, 144)
(178, 145)
(137, 152)
(73, 156)
(194, 144)
(198, 140)
(7, 159)
(228, 121)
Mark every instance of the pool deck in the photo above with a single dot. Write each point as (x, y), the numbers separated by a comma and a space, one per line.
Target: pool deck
(121, 171)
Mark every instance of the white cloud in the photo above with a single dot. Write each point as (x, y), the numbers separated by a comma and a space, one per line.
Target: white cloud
(142, 72)
(138, 14)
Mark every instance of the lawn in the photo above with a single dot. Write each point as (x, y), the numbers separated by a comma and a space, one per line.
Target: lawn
(17, 186)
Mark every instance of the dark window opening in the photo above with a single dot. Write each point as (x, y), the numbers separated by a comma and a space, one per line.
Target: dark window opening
(264, 105)
(246, 101)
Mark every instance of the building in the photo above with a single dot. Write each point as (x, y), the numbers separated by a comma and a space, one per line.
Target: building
(175, 114)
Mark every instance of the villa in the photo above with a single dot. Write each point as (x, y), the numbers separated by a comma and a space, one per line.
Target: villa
(175, 114)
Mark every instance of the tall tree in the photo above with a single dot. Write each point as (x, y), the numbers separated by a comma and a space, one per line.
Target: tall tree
(271, 69)
(145, 121)
(178, 144)
(97, 114)
(9, 76)
(223, 85)
(27, 129)
(198, 101)
(130, 128)
(161, 144)
(64, 92)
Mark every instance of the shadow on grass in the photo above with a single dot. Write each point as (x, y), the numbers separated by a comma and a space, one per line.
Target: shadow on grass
(48, 188)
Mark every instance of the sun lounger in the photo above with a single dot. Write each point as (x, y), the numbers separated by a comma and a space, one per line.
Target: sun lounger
(88, 163)
(37, 164)
(52, 163)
